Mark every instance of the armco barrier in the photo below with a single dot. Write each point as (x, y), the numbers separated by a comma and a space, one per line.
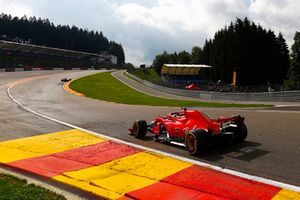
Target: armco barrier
(27, 69)
(19, 69)
(284, 96)
(9, 69)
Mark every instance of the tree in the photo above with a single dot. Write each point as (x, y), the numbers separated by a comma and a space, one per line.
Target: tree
(184, 57)
(117, 50)
(43, 32)
(293, 81)
(160, 60)
(257, 55)
(196, 55)
(284, 57)
(173, 58)
(129, 66)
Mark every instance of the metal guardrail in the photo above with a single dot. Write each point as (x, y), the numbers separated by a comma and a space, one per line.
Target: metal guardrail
(281, 96)
(52, 68)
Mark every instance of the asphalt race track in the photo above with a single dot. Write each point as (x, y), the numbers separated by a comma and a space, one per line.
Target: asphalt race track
(271, 150)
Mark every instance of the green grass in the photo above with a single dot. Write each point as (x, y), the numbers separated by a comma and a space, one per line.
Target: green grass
(104, 86)
(147, 74)
(13, 188)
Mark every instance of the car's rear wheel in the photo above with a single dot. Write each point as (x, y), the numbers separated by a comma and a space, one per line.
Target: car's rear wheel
(139, 129)
(196, 141)
(240, 133)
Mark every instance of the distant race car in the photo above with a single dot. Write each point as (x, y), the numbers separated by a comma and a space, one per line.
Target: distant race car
(192, 86)
(65, 79)
(192, 129)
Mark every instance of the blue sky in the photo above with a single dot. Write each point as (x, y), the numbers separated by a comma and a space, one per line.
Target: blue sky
(147, 28)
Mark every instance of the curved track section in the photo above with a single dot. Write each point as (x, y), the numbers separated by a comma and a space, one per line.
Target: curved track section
(271, 150)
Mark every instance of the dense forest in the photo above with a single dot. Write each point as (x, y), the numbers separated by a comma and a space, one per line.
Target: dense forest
(257, 55)
(43, 32)
(293, 81)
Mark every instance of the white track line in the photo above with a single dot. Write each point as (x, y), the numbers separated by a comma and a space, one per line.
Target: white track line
(228, 171)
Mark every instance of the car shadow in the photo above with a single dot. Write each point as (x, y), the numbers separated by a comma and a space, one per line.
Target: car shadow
(147, 138)
(219, 150)
(244, 151)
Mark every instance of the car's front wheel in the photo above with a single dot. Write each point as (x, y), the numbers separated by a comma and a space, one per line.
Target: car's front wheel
(196, 141)
(139, 129)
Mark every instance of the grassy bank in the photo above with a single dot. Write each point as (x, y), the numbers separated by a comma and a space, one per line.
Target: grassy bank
(13, 188)
(104, 86)
(147, 74)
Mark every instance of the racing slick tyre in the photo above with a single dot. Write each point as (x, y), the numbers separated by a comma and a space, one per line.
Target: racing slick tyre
(196, 141)
(139, 129)
(240, 133)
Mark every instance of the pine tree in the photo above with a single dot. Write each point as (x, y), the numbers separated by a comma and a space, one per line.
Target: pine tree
(293, 81)
(43, 32)
(257, 55)
(184, 57)
(173, 58)
(196, 55)
(160, 60)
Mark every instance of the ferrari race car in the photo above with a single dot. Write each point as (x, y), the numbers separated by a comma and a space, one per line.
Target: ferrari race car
(65, 79)
(192, 129)
(192, 86)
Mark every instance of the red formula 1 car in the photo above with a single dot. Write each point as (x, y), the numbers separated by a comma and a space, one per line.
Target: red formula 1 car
(192, 86)
(192, 129)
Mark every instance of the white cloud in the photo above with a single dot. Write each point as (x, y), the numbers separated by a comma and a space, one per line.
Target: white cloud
(177, 25)
(15, 8)
(181, 15)
(146, 28)
(278, 15)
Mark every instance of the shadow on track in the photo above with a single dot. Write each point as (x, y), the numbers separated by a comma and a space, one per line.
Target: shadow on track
(245, 151)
